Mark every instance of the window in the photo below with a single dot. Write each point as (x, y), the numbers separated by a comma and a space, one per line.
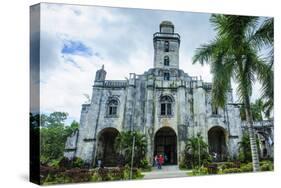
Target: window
(166, 46)
(166, 76)
(166, 61)
(166, 106)
(112, 107)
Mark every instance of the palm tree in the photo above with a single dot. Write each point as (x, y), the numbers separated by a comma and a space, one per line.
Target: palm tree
(233, 54)
(124, 145)
(195, 147)
(264, 37)
(257, 109)
(245, 148)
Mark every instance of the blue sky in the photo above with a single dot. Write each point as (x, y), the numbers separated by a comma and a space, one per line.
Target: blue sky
(78, 40)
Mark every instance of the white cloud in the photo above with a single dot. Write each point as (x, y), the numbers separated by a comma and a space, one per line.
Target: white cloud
(120, 39)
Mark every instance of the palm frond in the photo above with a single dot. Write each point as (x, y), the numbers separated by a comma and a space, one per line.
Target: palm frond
(264, 35)
(222, 70)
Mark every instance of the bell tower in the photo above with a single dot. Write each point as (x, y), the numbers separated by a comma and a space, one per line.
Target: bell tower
(166, 46)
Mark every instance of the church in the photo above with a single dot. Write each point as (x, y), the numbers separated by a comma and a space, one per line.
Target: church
(164, 103)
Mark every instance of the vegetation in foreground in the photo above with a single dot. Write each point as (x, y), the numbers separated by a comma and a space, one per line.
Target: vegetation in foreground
(230, 168)
(74, 171)
(55, 169)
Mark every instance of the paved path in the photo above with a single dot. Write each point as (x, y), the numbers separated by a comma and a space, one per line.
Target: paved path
(171, 171)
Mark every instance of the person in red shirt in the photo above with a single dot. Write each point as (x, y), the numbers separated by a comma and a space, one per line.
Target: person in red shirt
(161, 161)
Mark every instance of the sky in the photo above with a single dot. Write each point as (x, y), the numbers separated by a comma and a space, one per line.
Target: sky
(75, 41)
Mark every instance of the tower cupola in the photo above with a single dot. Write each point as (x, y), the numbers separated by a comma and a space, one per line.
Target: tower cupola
(166, 46)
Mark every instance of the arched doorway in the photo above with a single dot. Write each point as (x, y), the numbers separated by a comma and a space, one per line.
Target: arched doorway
(217, 143)
(105, 150)
(165, 143)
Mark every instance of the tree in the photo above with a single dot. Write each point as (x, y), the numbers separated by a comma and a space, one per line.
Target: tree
(124, 145)
(54, 119)
(53, 135)
(245, 148)
(233, 54)
(257, 110)
(192, 151)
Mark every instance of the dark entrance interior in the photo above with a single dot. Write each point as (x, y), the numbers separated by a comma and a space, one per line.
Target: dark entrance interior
(106, 152)
(217, 145)
(166, 145)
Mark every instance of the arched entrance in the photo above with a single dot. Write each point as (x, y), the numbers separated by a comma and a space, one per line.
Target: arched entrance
(165, 143)
(105, 150)
(217, 143)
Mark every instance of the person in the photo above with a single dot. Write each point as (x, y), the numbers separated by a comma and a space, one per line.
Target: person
(99, 163)
(161, 161)
(158, 162)
(155, 161)
(215, 155)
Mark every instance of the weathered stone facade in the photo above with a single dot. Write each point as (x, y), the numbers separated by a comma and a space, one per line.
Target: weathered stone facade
(164, 102)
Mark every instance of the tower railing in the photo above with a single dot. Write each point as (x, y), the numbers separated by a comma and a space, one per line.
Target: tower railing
(115, 83)
(164, 35)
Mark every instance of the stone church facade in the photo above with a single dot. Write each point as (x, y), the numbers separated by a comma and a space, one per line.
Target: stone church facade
(164, 103)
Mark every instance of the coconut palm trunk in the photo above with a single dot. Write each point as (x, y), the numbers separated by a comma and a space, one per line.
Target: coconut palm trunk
(252, 136)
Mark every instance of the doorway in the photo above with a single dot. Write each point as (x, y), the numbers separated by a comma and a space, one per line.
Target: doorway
(166, 144)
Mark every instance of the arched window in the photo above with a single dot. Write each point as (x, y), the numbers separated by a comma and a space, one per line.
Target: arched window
(166, 76)
(166, 46)
(166, 61)
(112, 107)
(166, 105)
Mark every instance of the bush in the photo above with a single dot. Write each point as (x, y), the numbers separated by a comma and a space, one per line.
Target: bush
(144, 165)
(50, 175)
(266, 165)
(54, 163)
(227, 165)
(247, 167)
(78, 162)
(193, 147)
(182, 165)
(136, 173)
(199, 171)
(65, 163)
(109, 174)
(232, 170)
(77, 175)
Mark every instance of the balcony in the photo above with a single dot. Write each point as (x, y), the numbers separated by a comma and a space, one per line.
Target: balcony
(115, 83)
(166, 35)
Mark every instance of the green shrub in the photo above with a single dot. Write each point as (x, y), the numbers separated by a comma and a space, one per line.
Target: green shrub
(195, 148)
(182, 165)
(127, 171)
(77, 162)
(234, 164)
(247, 167)
(232, 170)
(54, 163)
(199, 171)
(95, 177)
(266, 165)
(144, 165)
